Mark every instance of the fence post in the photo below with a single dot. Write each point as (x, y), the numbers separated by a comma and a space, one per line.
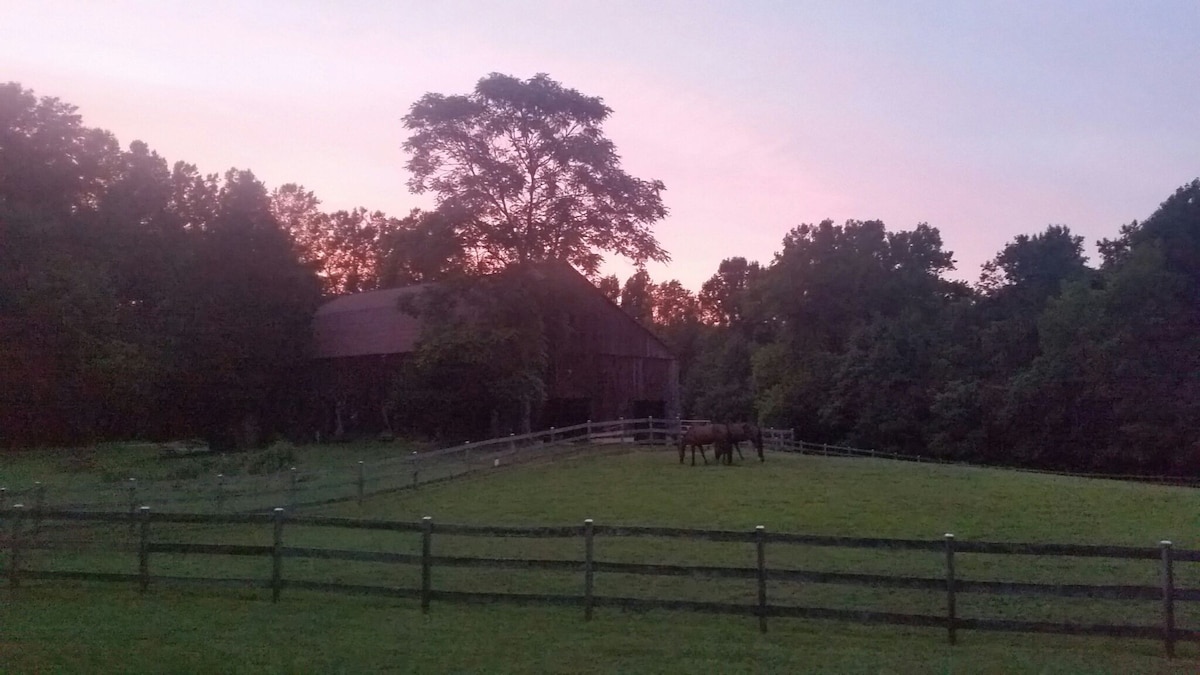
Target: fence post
(760, 543)
(362, 481)
(588, 571)
(589, 431)
(277, 556)
(14, 548)
(415, 470)
(3, 497)
(1168, 597)
(951, 610)
(292, 495)
(144, 550)
(220, 493)
(467, 456)
(426, 562)
(622, 421)
(132, 504)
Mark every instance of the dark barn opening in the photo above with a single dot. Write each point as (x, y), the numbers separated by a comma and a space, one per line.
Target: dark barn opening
(565, 412)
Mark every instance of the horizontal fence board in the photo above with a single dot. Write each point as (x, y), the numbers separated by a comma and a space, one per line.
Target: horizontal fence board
(353, 523)
(78, 546)
(219, 582)
(1074, 550)
(856, 616)
(212, 518)
(353, 589)
(675, 570)
(507, 563)
(672, 532)
(871, 580)
(208, 549)
(644, 604)
(75, 575)
(84, 516)
(517, 598)
(1012, 625)
(1059, 590)
(855, 542)
(344, 554)
(530, 532)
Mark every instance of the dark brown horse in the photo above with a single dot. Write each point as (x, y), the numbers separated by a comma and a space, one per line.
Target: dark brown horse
(745, 431)
(699, 436)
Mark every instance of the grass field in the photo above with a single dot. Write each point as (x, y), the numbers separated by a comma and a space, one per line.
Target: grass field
(90, 627)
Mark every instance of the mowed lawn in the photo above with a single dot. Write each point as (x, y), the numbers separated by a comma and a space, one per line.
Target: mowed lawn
(79, 627)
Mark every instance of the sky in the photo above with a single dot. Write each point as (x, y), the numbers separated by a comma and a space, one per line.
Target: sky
(983, 119)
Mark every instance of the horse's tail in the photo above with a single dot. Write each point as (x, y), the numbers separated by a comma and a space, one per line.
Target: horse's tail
(682, 444)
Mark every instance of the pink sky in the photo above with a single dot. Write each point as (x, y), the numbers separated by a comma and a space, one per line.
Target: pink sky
(985, 120)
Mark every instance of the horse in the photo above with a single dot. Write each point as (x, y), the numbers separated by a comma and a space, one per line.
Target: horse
(745, 431)
(702, 435)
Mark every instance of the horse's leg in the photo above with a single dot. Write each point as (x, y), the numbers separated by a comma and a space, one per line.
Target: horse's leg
(740, 455)
(702, 455)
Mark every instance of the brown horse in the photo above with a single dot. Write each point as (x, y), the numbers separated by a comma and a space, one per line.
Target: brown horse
(702, 435)
(745, 431)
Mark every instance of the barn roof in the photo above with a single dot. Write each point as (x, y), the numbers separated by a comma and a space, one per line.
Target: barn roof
(366, 323)
(372, 322)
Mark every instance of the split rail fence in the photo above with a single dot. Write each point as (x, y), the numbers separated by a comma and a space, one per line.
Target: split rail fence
(25, 537)
(359, 480)
(788, 443)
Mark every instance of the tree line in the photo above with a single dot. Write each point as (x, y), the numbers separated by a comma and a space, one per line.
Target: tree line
(141, 299)
(854, 334)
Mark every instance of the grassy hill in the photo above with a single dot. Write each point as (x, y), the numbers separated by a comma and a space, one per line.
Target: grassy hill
(210, 629)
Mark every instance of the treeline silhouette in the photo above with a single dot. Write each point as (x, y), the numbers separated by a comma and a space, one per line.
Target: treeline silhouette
(145, 300)
(854, 335)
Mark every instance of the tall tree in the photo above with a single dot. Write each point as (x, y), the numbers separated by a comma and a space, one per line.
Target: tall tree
(527, 165)
(610, 286)
(723, 298)
(637, 297)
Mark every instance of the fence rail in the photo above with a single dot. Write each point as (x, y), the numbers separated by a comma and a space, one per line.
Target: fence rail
(790, 444)
(25, 536)
(359, 480)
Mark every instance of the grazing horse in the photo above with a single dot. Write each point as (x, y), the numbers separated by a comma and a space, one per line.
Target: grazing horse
(745, 431)
(702, 435)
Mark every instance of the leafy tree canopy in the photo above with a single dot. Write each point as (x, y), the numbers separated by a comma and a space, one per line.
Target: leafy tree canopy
(525, 170)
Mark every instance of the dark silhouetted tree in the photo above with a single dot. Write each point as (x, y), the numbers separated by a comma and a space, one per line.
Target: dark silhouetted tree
(527, 169)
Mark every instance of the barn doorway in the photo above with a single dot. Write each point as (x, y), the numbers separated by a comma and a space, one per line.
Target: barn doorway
(565, 412)
(649, 408)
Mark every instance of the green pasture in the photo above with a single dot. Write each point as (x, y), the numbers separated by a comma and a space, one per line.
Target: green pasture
(198, 630)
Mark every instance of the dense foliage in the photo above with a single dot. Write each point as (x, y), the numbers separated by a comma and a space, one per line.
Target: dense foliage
(139, 299)
(853, 334)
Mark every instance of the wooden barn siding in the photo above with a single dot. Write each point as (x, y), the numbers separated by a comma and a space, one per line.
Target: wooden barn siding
(614, 382)
(604, 355)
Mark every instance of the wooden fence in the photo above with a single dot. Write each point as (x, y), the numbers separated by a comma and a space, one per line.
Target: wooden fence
(358, 480)
(786, 442)
(24, 537)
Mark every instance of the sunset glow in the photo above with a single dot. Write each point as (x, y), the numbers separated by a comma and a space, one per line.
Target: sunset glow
(985, 120)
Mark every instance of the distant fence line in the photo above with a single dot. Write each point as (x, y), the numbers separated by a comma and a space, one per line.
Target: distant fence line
(239, 494)
(24, 537)
(830, 450)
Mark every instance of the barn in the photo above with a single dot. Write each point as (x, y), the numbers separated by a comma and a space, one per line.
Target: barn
(604, 365)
